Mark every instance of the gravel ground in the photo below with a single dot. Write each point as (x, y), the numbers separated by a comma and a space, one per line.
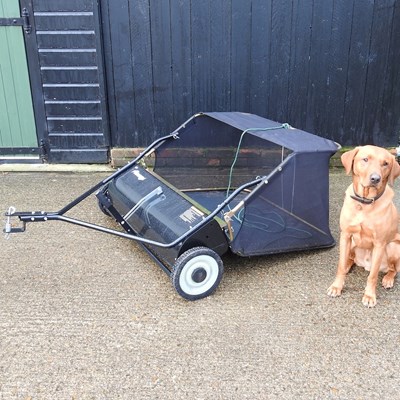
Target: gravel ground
(84, 315)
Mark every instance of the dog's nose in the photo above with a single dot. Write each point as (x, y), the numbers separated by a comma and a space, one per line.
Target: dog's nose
(375, 179)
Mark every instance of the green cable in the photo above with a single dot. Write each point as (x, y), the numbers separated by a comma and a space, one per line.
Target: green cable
(283, 126)
(260, 225)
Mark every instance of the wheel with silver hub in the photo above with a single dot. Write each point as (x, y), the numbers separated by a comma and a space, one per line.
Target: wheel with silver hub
(197, 273)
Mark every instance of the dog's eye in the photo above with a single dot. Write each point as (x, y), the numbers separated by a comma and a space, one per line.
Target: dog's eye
(385, 163)
(365, 159)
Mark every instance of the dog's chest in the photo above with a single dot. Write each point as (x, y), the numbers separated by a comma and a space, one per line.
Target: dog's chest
(352, 220)
(362, 236)
(368, 222)
(360, 225)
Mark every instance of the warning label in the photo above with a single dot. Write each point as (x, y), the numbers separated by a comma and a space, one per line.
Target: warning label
(191, 215)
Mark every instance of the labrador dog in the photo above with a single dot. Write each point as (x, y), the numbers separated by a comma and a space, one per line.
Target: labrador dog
(369, 221)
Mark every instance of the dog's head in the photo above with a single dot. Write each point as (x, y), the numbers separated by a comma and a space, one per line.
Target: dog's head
(372, 167)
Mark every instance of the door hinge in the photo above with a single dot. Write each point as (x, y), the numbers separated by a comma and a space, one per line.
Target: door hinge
(25, 21)
(43, 151)
(22, 21)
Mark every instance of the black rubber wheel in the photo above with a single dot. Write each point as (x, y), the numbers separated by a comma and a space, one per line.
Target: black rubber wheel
(103, 209)
(101, 206)
(197, 273)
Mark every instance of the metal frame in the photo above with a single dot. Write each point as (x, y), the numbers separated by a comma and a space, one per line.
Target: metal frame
(43, 216)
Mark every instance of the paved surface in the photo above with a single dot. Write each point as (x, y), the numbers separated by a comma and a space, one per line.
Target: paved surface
(84, 315)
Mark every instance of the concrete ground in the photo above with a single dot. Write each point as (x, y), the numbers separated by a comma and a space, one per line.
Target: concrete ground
(84, 315)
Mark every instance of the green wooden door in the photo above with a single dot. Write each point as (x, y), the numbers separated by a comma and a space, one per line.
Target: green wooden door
(17, 122)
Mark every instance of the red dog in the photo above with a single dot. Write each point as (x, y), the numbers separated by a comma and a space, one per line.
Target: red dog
(369, 220)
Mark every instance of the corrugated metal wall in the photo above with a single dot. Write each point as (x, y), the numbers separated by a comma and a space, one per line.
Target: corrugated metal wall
(327, 66)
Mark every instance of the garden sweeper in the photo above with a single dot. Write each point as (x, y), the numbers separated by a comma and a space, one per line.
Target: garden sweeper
(221, 181)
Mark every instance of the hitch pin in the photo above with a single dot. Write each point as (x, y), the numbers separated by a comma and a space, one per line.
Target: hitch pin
(7, 228)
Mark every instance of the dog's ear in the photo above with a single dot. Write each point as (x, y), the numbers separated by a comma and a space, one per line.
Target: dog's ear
(347, 159)
(394, 171)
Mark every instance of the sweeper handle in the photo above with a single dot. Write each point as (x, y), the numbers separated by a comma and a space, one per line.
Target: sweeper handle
(38, 216)
(42, 216)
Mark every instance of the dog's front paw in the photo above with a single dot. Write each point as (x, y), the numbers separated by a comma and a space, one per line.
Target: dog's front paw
(369, 300)
(334, 291)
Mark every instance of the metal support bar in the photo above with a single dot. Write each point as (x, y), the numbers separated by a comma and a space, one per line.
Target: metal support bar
(41, 216)
(19, 150)
(11, 22)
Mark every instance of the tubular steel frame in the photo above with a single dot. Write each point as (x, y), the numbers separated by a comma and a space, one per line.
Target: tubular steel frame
(43, 216)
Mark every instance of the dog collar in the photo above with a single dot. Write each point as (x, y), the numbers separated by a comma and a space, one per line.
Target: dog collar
(365, 200)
